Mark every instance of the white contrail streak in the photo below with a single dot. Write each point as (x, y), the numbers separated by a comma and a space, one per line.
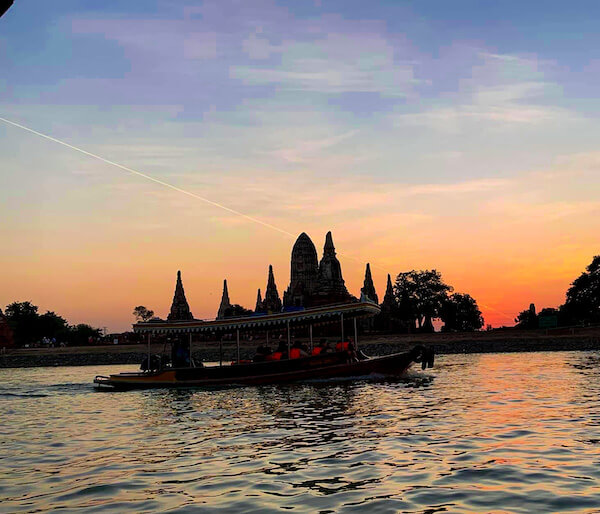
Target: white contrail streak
(148, 177)
(183, 191)
(170, 186)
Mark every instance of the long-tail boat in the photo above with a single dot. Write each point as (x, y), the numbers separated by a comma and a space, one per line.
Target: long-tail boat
(349, 362)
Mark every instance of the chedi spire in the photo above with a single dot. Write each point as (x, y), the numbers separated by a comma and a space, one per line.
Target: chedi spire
(331, 281)
(368, 288)
(180, 310)
(328, 248)
(272, 302)
(389, 299)
(225, 303)
(259, 302)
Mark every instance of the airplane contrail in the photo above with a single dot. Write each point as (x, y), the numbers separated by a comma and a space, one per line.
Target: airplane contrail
(170, 186)
(149, 177)
(183, 191)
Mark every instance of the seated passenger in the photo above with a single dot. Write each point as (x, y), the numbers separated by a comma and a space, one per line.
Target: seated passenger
(280, 353)
(261, 353)
(318, 349)
(298, 351)
(327, 348)
(342, 346)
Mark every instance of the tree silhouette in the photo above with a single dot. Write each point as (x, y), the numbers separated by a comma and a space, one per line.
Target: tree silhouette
(23, 319)
(527, 319)
(237, 311)
(460, 312)
(422, 293)
(28, 326)
(582, 304)
(142, 314)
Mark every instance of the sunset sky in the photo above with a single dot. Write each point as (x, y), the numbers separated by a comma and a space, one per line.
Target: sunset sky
(462, 136)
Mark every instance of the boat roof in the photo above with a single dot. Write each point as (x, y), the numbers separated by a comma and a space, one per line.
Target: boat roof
(322, 314)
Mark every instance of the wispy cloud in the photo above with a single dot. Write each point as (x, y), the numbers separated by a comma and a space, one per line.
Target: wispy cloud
(502, 90)
(335, 63)
(309, 148)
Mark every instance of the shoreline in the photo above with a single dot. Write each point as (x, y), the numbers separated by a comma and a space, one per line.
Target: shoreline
(477, 342)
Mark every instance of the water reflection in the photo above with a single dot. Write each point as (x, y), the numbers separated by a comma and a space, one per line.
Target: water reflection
(510, 432)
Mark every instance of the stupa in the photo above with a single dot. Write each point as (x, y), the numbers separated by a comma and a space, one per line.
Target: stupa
(272, 302)
(225, 306)
(368, 288)
(304, 273)
(180, 310)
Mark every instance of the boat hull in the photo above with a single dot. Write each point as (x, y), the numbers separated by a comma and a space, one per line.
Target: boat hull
(337, 365)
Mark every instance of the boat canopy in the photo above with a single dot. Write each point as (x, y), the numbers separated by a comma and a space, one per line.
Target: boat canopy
(316, 315)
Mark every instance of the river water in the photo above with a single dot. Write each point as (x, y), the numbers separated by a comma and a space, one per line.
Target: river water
(478, 433)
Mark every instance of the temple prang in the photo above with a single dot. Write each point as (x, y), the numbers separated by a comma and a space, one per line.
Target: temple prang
(304, 273)
(331, 288)
(368, 288)
(225, 306)
(259, 302)
(389, 300)
(180, 310)
(313, 284)
(272, 302)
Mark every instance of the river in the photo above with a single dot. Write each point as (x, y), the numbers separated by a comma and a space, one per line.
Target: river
(480, 432)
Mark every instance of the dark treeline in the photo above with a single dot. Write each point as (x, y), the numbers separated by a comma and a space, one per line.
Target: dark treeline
(29, 327)
(420, 296)
(581, 307)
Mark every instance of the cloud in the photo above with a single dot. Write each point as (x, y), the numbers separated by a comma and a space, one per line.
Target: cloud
(309, 148)
(502, 90)
(454, 118)
(200, 45)
(465, 187)
(258, 47)
(333, 63)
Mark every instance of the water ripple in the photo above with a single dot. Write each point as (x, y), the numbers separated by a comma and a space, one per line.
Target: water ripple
(493, 432)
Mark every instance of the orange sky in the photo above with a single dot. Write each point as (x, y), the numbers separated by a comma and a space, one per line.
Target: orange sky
(93, 253)
(420, 144)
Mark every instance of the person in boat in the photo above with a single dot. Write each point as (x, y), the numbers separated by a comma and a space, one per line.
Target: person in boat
(298, 351)
(280, 353)
(262, 352)
(327, 347)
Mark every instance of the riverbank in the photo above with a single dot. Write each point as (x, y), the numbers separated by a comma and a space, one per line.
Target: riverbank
(478, 342)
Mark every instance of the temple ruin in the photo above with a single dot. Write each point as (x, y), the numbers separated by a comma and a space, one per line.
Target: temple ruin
(368, 288)
(225, 306)
(180, 310)
(272, 302)
(313, 283)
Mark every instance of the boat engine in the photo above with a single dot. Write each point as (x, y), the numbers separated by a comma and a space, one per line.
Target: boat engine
(423, 354)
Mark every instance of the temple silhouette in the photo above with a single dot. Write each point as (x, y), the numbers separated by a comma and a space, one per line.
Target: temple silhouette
(313, 283)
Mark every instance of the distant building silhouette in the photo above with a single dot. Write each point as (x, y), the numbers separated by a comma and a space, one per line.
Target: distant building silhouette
(368, 293)
(272, 302)
(304, 273)
(313, 284)
(225, 305)
(180, 310)
(259, 303)
(368, 288)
